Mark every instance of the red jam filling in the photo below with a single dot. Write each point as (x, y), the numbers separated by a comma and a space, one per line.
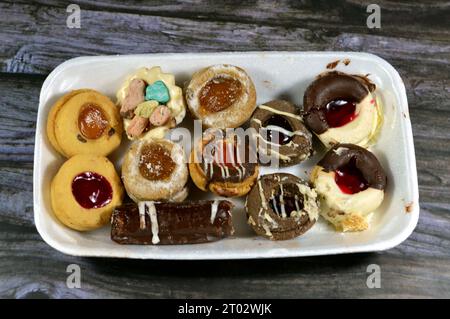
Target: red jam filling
(340, 112)
(225, 154)
(278, 137)
(349, 178)
(91, 190)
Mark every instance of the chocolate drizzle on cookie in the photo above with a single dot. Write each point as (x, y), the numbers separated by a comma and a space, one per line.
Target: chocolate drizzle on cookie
(342, 155)
(226, 164)
(331, 96)
(281, 133)
(281, 206)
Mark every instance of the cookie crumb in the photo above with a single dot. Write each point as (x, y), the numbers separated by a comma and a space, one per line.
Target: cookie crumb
(409, 207)
(333, 64)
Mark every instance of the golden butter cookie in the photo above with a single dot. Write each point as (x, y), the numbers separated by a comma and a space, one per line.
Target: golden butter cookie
(52, 116)
(84, 122)
(84, 192)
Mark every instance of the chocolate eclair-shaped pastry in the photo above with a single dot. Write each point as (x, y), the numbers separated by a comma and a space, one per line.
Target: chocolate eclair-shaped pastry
(84, 122)
(281, 206)
(224, 165)
(342, 108)
(351, 184)
(190, 222)
(150, 103)
(155, 169)
(222, 96)
(281, 133)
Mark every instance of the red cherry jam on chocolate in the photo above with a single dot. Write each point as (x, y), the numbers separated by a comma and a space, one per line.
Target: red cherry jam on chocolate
(349, 178)
(91, 190)
(278, 137)
(340, 112)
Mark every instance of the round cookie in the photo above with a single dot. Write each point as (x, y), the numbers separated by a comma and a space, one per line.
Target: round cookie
(217, 165)
(52, 116)
(281, 134)
(86, 123)
(155, 170)
(342, 108)
(351, 184)
(281, 206)
(84, 192)
(222, 96)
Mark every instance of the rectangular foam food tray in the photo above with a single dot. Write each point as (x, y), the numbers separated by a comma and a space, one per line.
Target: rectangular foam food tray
(276, 75)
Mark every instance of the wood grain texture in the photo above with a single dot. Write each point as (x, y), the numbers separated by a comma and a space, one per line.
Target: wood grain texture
(414, 38)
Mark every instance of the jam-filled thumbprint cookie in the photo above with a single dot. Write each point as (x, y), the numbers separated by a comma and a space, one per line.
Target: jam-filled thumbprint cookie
(84, 122)
(281, 134)
(342, 108)
(155, 169)
(85, 191)
(281, 206)
(222, 96)
(351, 183)
(150, 103)
(224, 165)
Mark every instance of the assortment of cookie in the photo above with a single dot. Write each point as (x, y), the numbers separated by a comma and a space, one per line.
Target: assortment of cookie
(149, 203)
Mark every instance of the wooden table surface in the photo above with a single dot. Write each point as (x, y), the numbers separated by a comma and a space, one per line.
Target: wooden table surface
(414, 38)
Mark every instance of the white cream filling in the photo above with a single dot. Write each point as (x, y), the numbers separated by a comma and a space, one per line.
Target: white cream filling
(361, 130)
(336, 206)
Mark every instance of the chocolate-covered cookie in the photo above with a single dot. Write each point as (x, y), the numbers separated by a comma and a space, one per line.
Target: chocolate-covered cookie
(281, 133)
(342, 108)
(351, 183)
(281, 206)
(223, 164)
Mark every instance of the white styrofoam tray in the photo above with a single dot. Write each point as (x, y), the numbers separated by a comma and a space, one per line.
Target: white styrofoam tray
(276, 75)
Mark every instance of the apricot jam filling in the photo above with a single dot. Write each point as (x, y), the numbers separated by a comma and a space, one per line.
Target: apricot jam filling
(220, 93)
(92, 122)
(155, 162)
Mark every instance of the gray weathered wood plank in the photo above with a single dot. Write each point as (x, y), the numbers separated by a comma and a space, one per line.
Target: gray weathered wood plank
(414, 37)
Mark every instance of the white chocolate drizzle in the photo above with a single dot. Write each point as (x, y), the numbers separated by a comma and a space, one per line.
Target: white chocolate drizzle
(148, 207)
(297, 206)
(214, 208)
(268, 108)
(283, 208)
(261, 195)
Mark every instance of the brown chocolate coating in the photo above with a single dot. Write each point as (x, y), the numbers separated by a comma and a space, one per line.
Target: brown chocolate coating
(365, 161)
(244, 165)
(299, 147)
(188, 222)
(260, 203)
(328, 87)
